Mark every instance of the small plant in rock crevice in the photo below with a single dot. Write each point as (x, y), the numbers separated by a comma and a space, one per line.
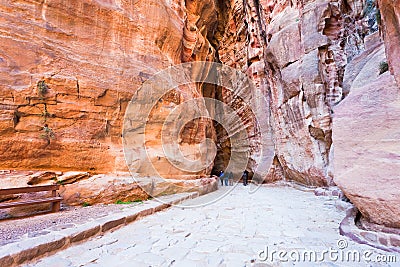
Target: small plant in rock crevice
(383, 67)
(42, 88)
(48, 134)
(128, 202)
(45, 115)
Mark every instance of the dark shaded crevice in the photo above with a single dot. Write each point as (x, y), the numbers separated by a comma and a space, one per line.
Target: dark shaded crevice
(215, 92)
(224, 9)
(223, 149)
(16, 118)
(77, 87)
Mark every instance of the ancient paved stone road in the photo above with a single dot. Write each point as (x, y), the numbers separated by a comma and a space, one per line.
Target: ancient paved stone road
(234, 231)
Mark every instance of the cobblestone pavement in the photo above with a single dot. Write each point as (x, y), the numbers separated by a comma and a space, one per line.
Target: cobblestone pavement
(273, 226)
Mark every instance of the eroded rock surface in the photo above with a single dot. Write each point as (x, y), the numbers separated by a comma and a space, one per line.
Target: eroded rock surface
(390, 14)
(295, 53)
(69, 69)
(110, 188)
(366, 133)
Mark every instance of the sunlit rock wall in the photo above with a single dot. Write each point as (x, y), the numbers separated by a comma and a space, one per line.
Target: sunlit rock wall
(69, 69)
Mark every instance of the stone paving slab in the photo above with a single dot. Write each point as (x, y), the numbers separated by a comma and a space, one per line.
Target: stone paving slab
(246, 227)
(31, 248)
(385, 241)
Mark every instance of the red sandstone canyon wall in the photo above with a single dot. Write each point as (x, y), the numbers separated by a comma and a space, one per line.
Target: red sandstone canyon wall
(294, 51)
(74, 66)
(318, 63)
(390, 16)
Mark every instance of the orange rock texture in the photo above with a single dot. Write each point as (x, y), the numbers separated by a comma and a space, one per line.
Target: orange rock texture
(69, 69)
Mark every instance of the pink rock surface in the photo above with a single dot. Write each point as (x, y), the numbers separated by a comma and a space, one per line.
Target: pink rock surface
(366, 139)
(293, 52)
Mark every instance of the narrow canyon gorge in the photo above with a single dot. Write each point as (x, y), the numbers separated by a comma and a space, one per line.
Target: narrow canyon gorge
(322, 110)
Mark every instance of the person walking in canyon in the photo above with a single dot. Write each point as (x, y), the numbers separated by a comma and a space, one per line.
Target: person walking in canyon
(230, 178)
(245, 177)
(221, 177)
(226, 178)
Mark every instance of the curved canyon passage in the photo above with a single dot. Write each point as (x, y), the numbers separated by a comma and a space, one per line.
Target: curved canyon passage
(301, 92)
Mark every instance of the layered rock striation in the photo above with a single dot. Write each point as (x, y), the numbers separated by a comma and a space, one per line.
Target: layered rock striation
(366, 128)
(69, 70)
(390, 20)
(296, 52)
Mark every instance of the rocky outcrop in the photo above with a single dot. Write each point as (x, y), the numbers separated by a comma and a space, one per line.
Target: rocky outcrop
(110, 189)
(390, 14)
(69, 69)
(79, 188)
(295, 53)
(366, 133)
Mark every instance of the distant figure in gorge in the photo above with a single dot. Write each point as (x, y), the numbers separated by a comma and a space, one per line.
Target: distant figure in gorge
(230, 178)
(226, 177)
(245, 177)
(221, 177)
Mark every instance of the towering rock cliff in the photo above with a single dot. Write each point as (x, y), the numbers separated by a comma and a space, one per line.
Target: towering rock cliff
(390, 16)
(69, 69)
(307, 57)
(366, 127)
(296, 52)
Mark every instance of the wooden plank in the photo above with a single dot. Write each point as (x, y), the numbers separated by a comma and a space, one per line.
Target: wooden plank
(29, 189)
(30, 202)
(55, 206)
